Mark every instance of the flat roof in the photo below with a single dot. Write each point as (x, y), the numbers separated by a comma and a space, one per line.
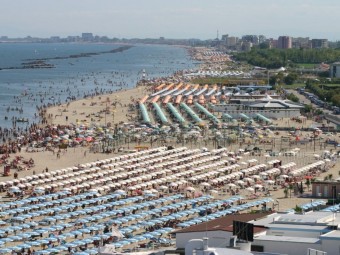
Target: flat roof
(335, 234)
(309, 218)
(307, 228)
(292, 239)
(225, 223)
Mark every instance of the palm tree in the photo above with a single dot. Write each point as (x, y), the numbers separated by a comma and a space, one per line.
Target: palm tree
(308, 183)
(286, 192)
(330, 176)
(290, 190)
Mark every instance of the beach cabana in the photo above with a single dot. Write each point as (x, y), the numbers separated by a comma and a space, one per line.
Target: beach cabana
(226, 117)
(160, 113)
(209, 115)
(263, 118)
(193, 90)
(191, 113)
(177, 115)
(145, 115)
(244, 117)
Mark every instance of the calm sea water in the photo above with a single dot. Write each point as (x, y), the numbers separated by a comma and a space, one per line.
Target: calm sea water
(27, 88)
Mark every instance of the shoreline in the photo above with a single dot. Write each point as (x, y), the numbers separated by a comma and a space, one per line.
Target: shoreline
(91, 114)
(37, 119)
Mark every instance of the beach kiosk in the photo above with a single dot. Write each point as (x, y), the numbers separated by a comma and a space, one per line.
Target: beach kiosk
(7, 170)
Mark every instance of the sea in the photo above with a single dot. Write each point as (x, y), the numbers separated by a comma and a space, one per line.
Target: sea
(77, 70)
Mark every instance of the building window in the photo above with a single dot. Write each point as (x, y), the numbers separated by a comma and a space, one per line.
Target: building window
(258, 248)
(325, 191)
(317, 190)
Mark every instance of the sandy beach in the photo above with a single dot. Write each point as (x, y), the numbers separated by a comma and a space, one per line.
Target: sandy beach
(91, 110)
(90, 115)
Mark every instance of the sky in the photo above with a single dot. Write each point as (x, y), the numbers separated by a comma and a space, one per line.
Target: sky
(170, 18)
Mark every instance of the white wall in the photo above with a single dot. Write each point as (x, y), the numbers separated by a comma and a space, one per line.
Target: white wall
(216, 238)
(289, 248)
(332, 247)
(275, 232)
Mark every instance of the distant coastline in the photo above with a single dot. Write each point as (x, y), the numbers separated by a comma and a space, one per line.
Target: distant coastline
(35, 63)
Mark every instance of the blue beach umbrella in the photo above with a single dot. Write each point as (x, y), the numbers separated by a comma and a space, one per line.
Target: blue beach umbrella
(87, 240)
(76, 232)
(35, 243)
(95, 238)
(53, 250)
(7, 239)
(148, 236)
(5, 250)
(92, 251)
(118, 245)
(61, 248)
(25, 246)
(71, 245)
(42, 252)
(139, 238)
(43, 241)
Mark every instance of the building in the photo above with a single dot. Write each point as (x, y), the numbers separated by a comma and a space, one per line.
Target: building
(301, 42)
(87, 37)
(294, 234)
(231, 41)
(246, 46)
(266, 106)
(274, 233)
(319, 43)
(284, 42)
(254, 39)
(326, 189)
(219, 231)
(335, 70)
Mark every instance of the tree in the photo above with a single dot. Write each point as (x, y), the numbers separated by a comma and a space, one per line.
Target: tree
(330, 176)
(298, 209)
(285, 191)
(293, 97)
(290, 187)
(272, 80)
(290, 78)
(264, 45)
(308, 183)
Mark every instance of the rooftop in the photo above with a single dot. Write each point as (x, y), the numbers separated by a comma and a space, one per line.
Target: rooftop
(293, 239)
(225, 223)
(309, 218)
(335, 234)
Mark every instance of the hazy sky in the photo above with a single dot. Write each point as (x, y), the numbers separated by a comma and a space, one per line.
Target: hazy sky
(171, 18)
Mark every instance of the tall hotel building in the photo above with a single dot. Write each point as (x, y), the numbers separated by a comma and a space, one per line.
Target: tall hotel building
(284, 42)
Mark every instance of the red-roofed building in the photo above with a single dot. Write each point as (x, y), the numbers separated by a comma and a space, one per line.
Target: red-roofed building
(218, 231)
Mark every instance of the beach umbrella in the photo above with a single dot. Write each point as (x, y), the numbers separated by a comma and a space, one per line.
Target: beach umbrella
(250, 189)
(119, 191)
(71, 245)
(53, 250)
(5, 250)
(92, 251)
(42, 252)
(43, 241)
(24, 246)
(96, 238)
(190, 189)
